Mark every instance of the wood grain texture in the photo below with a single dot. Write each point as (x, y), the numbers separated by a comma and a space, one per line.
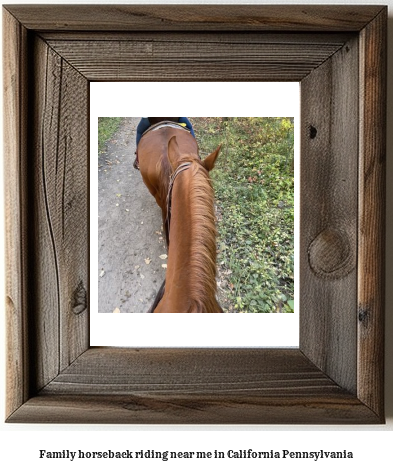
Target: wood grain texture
(14, 74)
(186, 371)
(165, 59)
(200, 386)
(371, 262)
(239, 409)
(201, 37)
(328, 252)
(197, 18)
(336, 375)
(59, 220)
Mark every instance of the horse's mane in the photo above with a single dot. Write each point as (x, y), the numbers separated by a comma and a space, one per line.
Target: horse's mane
(203, 239)
(165, 171)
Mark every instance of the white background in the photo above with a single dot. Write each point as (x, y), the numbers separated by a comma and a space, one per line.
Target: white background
(246, 100)
(371, 445)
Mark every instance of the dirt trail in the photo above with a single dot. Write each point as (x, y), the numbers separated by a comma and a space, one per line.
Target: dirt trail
(130, 237)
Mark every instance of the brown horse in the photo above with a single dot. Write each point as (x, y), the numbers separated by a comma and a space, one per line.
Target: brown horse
(179, 180)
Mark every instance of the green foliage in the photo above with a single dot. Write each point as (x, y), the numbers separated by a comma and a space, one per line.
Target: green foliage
(107, 127)
(254, 188)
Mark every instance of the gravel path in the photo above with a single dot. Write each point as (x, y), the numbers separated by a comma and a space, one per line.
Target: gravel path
(130, 237)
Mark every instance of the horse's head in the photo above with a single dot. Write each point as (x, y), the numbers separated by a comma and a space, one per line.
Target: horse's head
(175, 157)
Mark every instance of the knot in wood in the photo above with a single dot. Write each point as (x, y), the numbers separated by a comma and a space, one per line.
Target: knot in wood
(313, 132)
(331, 254)
(80, 299)
(364, 316)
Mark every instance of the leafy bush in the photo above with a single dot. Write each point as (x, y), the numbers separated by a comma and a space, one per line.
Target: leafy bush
(254, 188)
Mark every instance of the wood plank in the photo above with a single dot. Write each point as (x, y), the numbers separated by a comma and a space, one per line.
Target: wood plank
(71, 199)
(372, 168)
(193, 386)
(60, 234)
(121, 409)
(329, 216)
(197, 18)
(123, 51)
(123, 371)
(157, 60)
(66, 181)
(14, 75)
(208, 72)
(43, 265)
(338, 39)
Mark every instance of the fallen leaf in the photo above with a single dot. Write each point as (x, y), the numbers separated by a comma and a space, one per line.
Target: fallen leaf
(163, 256)
(116, 310)
(147, 261)
(164, 265)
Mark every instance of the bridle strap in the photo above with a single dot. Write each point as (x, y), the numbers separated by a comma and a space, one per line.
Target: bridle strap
(175, 174)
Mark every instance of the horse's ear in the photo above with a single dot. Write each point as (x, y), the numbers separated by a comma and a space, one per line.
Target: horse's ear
(209, 161)
(173, 152)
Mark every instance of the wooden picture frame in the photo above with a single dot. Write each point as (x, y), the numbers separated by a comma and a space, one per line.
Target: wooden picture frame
(338, 54)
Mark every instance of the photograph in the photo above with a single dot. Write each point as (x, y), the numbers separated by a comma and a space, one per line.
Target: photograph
(225, 188)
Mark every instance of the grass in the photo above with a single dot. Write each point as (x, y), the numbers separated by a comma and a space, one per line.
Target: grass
(254, 188)
(107, 127)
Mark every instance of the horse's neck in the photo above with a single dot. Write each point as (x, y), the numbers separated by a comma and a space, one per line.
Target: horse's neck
(190, 278)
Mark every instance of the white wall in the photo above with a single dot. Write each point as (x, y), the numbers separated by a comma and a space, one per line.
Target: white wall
(19, 444)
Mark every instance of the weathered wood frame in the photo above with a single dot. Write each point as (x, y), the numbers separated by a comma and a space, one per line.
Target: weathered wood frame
(338, 54)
